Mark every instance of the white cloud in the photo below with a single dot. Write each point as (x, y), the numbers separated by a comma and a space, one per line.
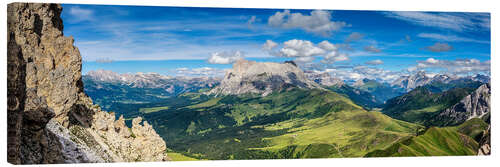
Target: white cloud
(304, 59)
(80, 14)
(458, 66)
(439, 47)
(451, 21)
(432, 61)
(224, 57)
(361, 72)
(304, 51)
(449, 38)
(300, 48)
(269, 45)
(327, 46)
(375, 62)
(318, 22)
(334, 56)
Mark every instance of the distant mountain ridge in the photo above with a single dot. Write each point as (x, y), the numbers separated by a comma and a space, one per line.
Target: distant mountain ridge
(421, 78)
(151, 80)
(108, 88)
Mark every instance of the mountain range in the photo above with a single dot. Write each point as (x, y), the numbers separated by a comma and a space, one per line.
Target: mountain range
(259, 110)
(110, 89)
(275, 110)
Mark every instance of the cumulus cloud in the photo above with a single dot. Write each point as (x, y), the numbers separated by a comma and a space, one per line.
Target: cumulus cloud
(439, 47)
(318, 22)
(305, 51)
(372, 48)
(354, 37)
(458, 66)
(327, 46)
(225, 57)
(204, 71)
(375, 62)
(334, 56)
(450, 21)
(269, 45)
(300, 48)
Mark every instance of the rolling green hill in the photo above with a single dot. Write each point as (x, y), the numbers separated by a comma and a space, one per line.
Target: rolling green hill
(448, 141)
(297, 123)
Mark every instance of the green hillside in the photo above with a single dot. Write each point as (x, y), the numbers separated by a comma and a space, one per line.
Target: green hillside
(456, 140)
(421, 104)
(290, 124)
(473, 128)
(434, 142)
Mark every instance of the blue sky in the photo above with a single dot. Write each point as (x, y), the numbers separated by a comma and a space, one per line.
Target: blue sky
(368, 43)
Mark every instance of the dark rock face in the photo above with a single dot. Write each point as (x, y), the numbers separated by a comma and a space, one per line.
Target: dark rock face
(46, 98)
(32, 34)
(475, 105)
(485, 143)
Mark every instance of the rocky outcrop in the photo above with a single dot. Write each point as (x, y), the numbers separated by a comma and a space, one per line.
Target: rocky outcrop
(50, 119)
(475, 105)
(262, 78)
(485, 143)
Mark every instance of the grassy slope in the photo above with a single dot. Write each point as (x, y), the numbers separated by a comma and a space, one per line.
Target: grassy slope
(292, 124)
(421, 104)
(473, 128)
(448, 141)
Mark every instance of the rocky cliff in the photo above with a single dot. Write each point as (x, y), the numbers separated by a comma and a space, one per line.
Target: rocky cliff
(50, 118)
(485, 143)
(262, 78)
(475, 105)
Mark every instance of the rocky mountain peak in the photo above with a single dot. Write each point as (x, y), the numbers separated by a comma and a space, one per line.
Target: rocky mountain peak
(475, 105)
(51, 119)
(262, 78)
